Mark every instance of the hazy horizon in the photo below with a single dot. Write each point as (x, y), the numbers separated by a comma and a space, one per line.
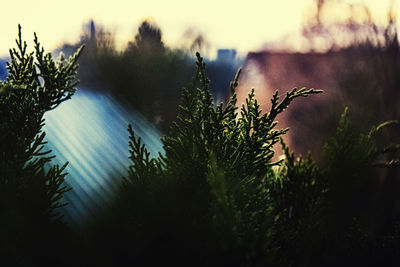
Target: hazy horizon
(224, 24)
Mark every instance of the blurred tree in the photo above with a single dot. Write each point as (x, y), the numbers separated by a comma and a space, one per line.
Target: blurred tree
(365, 60)
(147, 74)
(148, 38)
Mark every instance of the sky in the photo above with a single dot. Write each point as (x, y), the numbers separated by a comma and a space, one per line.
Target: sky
(244, 25)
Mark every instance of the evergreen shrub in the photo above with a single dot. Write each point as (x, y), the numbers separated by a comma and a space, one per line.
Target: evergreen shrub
(215, 197)
(206, 200)
(31, 189)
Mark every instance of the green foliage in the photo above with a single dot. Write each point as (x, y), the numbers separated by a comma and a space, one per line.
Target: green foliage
(296, 194)
(208, 195)
(351, 156)
(326, 215)
(30, 189)
(216, 197)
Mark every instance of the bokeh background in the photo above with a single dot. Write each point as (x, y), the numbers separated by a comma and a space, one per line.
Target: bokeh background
(140, 54)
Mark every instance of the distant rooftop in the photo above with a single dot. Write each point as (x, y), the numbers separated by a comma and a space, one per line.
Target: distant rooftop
(226, 55)
(3, 69)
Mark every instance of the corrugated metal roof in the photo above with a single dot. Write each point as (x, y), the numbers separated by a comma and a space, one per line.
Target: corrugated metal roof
(90, 132)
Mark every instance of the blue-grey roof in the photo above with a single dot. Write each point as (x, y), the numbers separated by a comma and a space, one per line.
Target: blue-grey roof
(90, 132)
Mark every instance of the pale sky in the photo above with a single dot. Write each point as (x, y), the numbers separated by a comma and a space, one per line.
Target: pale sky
(244, 25)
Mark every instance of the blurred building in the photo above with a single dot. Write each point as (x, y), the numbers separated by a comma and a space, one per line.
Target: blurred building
(221, 72)
(226, 56)
(3, 69)
(362, 78)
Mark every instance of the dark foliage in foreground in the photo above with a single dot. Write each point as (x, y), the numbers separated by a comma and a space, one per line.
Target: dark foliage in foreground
(210, 188)
(213, 198)
(30, 188)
